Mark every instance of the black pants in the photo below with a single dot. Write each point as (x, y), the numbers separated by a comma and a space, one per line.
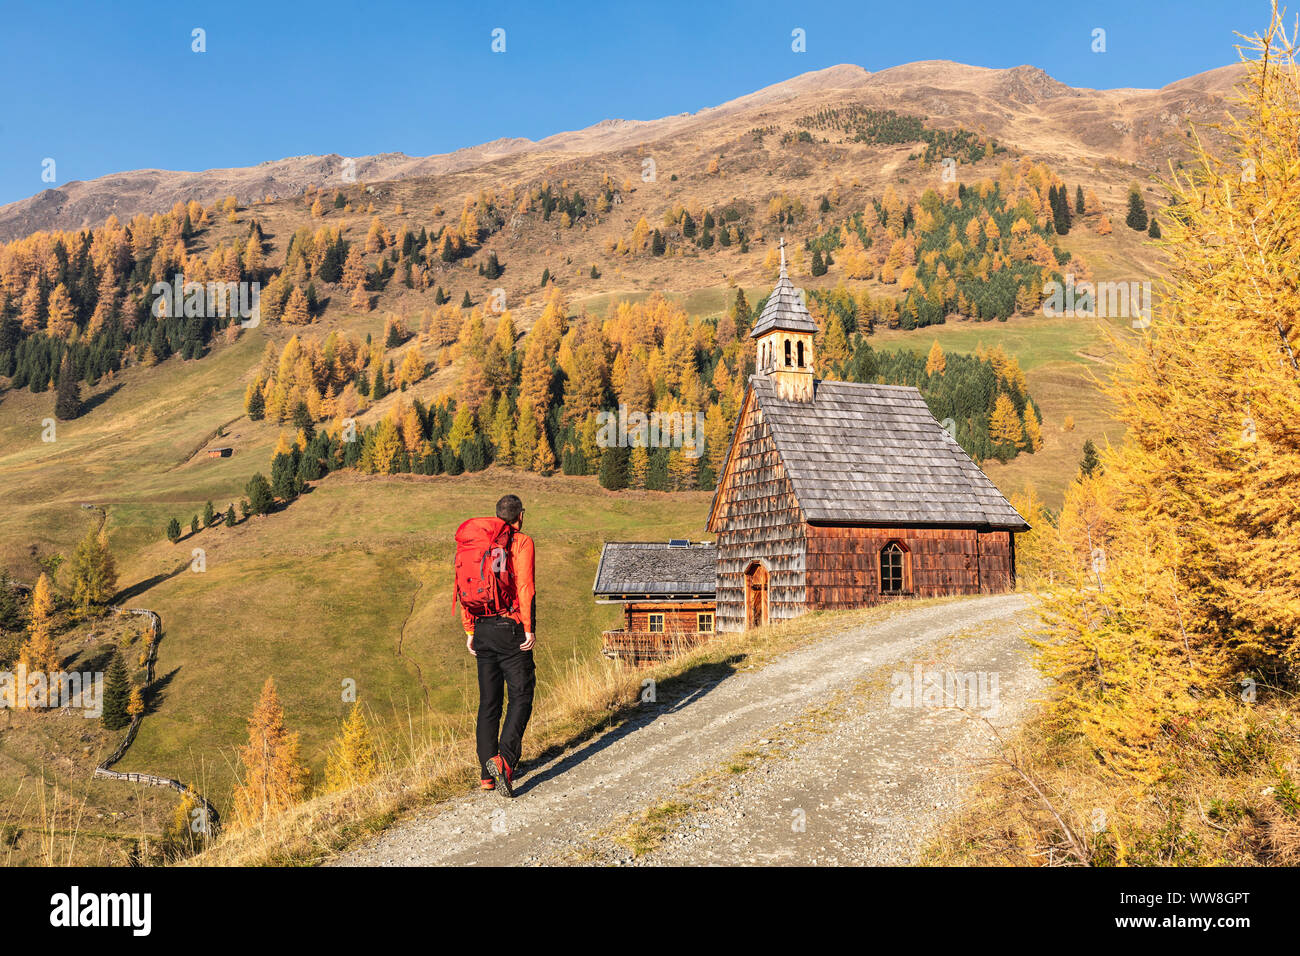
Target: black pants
(502, 665)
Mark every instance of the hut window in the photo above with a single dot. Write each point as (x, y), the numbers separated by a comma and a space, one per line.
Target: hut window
(801, 355)
(891, 568)
(787, 353)
(704, 622)
(656, 623)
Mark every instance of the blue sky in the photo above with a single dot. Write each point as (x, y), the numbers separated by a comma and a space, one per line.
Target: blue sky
(102, 87)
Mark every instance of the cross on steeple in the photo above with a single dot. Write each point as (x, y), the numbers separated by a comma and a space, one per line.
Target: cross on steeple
(782, 245)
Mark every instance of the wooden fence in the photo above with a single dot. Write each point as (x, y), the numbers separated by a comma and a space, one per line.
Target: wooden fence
(211, 820)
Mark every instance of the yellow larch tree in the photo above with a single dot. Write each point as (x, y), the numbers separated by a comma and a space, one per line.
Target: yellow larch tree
(543, 457)
(38, 654)
(274, 776)
(936, 363)
(834, 348)
(1004, 424)
(94, 572)
(1033, 430)
(412, 369)
(360, 297)
(351, 760)
(59, 314)
(525, 434)
(1179, 559)
(295, 309)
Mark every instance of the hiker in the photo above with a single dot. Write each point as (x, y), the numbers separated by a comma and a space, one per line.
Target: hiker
(495, 586)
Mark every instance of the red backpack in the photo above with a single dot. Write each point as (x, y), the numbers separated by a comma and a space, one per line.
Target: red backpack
(485, 570)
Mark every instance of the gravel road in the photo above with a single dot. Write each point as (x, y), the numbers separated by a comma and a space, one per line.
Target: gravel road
(849, 750)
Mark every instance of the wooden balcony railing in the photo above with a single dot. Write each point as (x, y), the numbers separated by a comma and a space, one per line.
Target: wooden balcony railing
(645, 647)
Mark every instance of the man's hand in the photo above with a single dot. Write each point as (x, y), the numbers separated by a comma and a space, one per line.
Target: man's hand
(469, 643)
(527, 645)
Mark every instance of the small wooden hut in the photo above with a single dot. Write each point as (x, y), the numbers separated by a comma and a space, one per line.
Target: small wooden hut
(667, 593)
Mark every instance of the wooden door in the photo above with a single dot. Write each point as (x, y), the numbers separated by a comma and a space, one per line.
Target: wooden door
(755, 596)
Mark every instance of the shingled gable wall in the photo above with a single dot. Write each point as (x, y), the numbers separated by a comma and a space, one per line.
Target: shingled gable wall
(758, 519)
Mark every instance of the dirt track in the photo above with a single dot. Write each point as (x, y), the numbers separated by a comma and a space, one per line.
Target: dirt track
(812, 759)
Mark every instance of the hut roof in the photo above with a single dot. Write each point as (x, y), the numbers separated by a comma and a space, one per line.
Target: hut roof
(656, 569)
(873, 454)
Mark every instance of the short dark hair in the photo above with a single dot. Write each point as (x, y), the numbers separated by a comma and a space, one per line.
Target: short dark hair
(509, 508)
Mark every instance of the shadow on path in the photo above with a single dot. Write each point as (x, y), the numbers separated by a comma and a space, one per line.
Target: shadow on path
(685, 689)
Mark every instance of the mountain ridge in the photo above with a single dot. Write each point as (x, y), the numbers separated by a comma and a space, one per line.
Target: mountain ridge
(1017, 99)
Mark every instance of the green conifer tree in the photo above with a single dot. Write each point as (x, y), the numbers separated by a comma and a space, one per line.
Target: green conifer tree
(117, 694)
(67, 400)
(613, 469)
(260, 499)
(1089, 464)
(1137, 209)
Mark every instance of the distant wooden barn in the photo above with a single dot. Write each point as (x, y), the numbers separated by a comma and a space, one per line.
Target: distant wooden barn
(220, 452)
(667, 593)
(842, 495)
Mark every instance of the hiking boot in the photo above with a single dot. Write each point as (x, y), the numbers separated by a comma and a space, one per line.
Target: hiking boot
(501, 775)
(487, 783)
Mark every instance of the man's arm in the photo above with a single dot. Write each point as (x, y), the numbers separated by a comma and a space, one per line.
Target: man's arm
(525, 586)
(467, 621)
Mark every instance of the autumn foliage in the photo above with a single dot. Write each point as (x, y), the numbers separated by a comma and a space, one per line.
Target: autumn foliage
(274, 777)
(1181, 578)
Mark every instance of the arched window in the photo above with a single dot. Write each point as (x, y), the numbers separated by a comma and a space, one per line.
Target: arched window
(893, 569)
(787, 353)
(801, 354)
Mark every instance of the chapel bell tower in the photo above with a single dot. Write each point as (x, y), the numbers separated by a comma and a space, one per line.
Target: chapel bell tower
(783, 336)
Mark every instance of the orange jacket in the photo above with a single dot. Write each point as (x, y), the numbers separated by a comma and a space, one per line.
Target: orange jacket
(521, 557)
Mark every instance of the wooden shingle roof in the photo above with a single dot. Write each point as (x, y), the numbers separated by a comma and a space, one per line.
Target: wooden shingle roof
(873, 454)
(656, 569)
(784, 310)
